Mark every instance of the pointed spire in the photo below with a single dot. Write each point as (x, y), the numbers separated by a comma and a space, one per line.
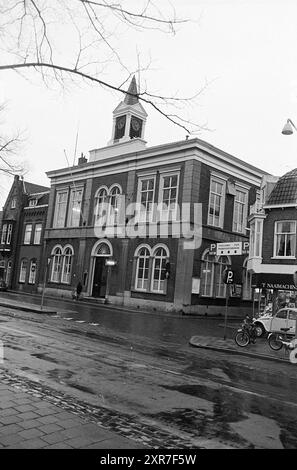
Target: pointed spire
(129, 98)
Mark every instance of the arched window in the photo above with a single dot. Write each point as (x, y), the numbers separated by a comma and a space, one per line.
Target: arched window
(57, 264)
(142, 268)
(160, 256)
(67, 265)
(103, 249)
(115, 193)
(207, 274)
(246, 282)
(23, 270)
(222, 263)
(101, 200)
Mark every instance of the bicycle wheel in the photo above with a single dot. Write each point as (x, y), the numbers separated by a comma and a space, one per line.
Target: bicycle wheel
(242, 339)
(274, 342)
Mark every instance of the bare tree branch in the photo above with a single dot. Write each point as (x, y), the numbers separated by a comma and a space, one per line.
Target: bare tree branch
(91, 32)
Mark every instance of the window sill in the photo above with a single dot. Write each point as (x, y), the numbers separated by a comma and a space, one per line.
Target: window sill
(140, 291)
(283, 257)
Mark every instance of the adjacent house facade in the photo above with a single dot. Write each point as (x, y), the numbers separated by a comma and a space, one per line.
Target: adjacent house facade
(23, 222)
(135, 224)
(273, 222)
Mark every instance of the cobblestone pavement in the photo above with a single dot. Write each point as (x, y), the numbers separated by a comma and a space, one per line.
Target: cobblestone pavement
(33, 416)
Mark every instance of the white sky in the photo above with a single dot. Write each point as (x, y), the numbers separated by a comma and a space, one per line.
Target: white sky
(247, 50)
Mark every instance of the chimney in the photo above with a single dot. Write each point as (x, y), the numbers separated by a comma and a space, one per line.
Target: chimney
(82, 159)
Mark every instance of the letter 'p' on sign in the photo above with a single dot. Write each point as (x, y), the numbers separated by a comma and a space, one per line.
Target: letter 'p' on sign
(228, 277)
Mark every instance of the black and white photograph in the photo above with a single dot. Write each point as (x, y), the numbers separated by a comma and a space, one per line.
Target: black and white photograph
(148, 228)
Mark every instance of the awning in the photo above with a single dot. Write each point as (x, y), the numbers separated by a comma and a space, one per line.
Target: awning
(273, 281)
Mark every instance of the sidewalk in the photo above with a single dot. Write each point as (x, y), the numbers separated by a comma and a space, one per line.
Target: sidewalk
(34, 307)
(28, 421)
(26, 307)
(260, 350)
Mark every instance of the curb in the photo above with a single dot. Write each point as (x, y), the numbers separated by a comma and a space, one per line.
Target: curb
(185, 316)
(238, 352)
(28, 308)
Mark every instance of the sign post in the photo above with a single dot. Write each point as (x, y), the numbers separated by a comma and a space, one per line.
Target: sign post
(228, 278)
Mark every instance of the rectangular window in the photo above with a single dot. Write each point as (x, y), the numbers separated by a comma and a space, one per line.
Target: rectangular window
(37, 234)
(216, 202)
(9, 233)
(60, 208)
(256, 239)
(28, 232)
(13, 203)
(146, 193)
(74, 210)
(168, 195)
(285, 239)
(240, 210)
(4, 234)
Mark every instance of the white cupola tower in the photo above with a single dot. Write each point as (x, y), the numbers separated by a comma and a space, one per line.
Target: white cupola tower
(129, 119)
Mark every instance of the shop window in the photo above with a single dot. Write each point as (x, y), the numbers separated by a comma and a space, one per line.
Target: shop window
(246, 282)
(207, 275)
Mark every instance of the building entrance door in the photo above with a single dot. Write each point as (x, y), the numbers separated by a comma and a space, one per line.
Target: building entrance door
(100, 277)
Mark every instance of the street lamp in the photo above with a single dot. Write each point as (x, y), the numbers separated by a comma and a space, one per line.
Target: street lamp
(288, 127)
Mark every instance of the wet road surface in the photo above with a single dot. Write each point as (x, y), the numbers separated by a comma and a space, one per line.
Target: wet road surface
(204, 398)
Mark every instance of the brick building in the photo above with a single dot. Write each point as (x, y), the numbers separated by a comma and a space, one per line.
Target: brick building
(22, 228)
(274, 220)
(151, 263)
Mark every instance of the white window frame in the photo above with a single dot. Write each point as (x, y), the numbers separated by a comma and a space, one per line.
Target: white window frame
(9, 234)
(154, 257)
(4, 234)
(75, 221)
(37, 240)
(13, 203)
(67, 262)
(97, 210)
(244, 205)
(205, 267)
(57, 209)
(139, 248)
(56, 274)
(23, 272)
(276, 233)
(145, 216)
(113, 212)
(168, 214)
(221, 180)
(32, 202)
(32, 274)
(27, 240)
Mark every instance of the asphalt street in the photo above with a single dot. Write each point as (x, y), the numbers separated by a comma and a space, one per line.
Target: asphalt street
(160, 388)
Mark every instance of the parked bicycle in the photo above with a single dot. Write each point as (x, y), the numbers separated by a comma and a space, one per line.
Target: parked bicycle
(247, 333)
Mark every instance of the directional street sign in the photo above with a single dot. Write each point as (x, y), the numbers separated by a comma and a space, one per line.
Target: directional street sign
(232, 248)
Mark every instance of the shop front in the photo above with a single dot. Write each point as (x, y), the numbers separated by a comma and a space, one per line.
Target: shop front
(274, 291)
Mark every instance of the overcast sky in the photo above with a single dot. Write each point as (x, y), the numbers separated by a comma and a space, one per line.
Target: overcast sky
(246, 50)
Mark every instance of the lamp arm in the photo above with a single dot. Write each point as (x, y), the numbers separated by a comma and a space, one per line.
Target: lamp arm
(292, 124)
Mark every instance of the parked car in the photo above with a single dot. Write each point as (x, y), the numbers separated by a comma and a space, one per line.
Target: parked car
(283, 318)
(3, 285)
